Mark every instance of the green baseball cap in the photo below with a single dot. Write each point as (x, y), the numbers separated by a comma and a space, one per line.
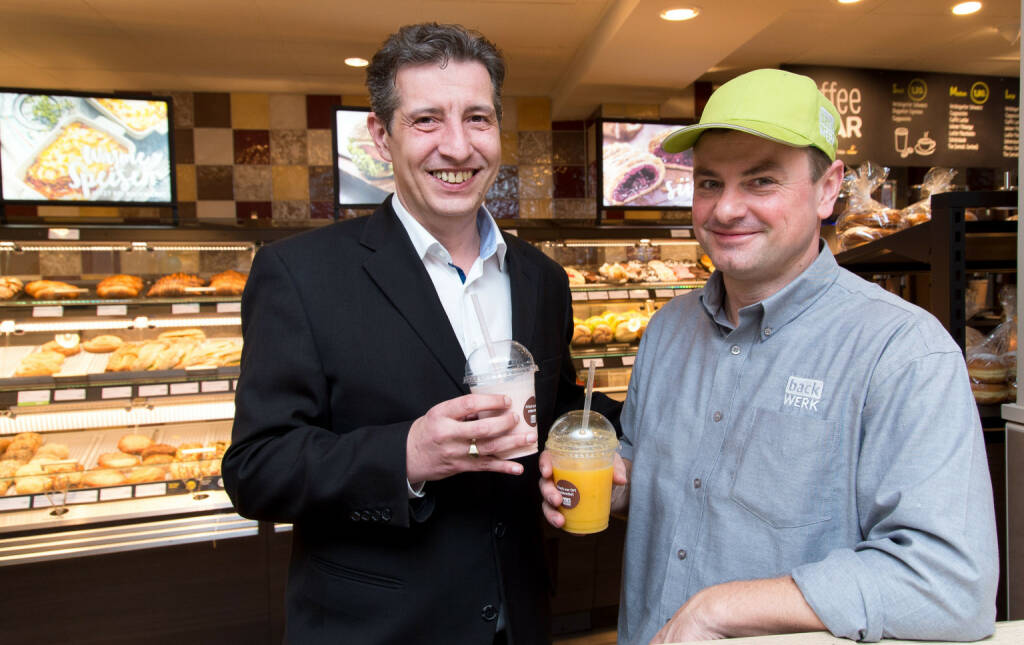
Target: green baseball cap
(769, 103)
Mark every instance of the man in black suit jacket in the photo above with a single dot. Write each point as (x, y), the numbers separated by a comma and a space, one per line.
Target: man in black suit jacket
(352, 419)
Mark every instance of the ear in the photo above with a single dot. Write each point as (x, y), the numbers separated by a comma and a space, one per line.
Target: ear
(379, 132)
(828, 189)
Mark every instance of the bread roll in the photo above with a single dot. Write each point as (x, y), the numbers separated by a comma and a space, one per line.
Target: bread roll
(102, 344)
(134, 443)
(986, 368)
(119, 286)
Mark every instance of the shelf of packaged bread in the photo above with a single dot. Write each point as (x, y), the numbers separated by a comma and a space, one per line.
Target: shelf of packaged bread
(113, 307)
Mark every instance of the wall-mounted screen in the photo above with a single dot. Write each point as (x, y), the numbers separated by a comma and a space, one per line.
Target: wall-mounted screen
(364, 178)
(636, 173)
(67, 147)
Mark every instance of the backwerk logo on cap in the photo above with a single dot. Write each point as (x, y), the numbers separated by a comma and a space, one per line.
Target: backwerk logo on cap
(768, 103)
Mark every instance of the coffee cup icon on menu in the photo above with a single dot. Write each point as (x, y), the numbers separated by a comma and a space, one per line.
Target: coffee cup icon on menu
(925, 145)
(902, 139)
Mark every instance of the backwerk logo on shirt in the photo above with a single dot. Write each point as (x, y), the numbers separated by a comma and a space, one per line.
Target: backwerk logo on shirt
(803, 393)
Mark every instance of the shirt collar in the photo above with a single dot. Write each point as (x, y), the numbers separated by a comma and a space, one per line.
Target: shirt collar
(781, 307)
(491, 241)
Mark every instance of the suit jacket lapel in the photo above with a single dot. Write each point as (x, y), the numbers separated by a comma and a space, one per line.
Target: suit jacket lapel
(524, 281)
(399, 273)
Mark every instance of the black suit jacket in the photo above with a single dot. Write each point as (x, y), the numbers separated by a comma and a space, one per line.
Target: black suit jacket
(346, 344)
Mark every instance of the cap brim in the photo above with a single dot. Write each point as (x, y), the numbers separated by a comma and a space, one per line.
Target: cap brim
(686, 138)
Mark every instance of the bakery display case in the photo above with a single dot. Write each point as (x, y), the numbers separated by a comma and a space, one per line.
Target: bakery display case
(119, 352)
(618, 278)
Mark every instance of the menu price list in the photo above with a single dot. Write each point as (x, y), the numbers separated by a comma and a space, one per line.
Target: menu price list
(922, 119)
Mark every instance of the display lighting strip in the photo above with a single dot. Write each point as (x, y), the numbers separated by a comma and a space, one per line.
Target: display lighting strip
(226, 321)
(18, 421)
(618, 244)
(200, 247)
(69, 326)
(64, 247)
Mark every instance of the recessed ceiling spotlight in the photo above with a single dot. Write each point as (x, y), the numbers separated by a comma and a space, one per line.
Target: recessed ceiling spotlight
(966, 8)
(356, 62)
(847, 1)
(680, 13)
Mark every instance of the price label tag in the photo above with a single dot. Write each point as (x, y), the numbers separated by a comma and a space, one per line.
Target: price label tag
(681, 232)
(598, 295)
(83, 496)
(62, 234)
(216, 386)
(664, 293)
(150, 490)
(33, 397)
(112, 310)
(19, 503)
(580, 295)
(185, 308)
(72, 394)
(118, 392)
(627, 361)
(638, 293)
(596, 362)
(153, 390)
(55, 311)
(618, 295)
(185, 388)
(229, 307)
(117, 492)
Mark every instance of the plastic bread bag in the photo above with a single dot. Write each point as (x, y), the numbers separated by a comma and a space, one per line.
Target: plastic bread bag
(992, 366)
(864, 219)
(936, 180)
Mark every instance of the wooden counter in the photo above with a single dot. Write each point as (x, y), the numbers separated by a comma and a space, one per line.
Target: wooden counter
(1007, 633)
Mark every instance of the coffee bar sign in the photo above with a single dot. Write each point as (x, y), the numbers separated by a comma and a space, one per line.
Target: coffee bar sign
(921, 118)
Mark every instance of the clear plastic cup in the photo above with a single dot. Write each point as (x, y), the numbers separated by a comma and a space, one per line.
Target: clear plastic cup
(506, 367)
(582, 458)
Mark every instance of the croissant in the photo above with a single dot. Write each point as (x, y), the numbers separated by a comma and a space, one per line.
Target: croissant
(119, 286)
(228, 283)
(175, 284)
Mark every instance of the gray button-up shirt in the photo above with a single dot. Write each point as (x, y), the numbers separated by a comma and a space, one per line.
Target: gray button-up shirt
(831, 436)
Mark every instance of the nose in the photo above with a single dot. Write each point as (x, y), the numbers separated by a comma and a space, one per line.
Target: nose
(730, 205)
(455, 142)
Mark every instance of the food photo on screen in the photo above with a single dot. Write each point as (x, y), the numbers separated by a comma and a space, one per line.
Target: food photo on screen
(637, 173)
(69, 148)
(364, 177)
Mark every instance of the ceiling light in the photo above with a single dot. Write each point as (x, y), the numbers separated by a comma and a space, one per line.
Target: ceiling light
(847, 1)
(966, 8)
(356, 62)
(680, 13)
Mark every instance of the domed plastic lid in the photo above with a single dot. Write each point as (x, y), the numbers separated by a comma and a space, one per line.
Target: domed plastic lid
(502, 359)
(568, 435)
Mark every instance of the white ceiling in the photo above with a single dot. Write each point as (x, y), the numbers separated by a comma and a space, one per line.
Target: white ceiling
(579, 52)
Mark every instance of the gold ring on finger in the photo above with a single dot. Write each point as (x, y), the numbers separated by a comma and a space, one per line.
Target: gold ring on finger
(473, 451)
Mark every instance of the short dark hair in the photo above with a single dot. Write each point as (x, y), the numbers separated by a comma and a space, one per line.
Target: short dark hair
(819, 162)
(428, 43)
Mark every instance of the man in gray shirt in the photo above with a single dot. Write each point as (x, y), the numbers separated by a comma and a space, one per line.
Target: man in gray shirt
(801, 449)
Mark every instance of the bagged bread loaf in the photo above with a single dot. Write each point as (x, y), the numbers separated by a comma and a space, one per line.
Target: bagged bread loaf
(936, 180)
(864, 219)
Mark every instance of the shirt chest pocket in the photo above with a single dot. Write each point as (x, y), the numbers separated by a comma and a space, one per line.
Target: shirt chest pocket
(786, 470)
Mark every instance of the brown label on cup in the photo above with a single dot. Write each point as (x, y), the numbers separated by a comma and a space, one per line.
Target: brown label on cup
(530, 412)
(570, 494)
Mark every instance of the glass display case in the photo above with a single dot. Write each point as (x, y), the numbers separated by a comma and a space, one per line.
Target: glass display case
(119, 353)
(617, 283)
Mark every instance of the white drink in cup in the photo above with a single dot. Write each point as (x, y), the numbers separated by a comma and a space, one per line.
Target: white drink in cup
(506, 367)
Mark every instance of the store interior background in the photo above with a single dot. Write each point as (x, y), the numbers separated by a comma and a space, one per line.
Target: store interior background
(255, 83)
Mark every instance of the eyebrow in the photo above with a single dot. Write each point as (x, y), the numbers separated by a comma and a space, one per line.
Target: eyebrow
(436, 111)
(766, 165)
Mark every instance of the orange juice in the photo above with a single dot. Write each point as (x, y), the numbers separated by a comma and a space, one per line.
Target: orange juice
(586, 497)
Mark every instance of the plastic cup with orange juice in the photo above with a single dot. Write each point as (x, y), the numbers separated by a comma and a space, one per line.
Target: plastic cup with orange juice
(582, 447)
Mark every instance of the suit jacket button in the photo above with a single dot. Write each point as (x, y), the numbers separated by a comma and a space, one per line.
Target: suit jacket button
(386, 514)
(365, 516)
(489, 613)
(375, 515)
(499, 530)
(354, 516)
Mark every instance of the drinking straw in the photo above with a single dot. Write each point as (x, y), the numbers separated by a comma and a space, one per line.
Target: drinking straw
(483, 325)
(589, 395)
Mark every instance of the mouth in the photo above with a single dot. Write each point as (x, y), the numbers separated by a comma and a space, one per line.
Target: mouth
(453, 177)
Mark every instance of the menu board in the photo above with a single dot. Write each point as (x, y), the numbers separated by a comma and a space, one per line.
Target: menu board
(364, 177)
(636, 173)
(922, 119)
(57, 147)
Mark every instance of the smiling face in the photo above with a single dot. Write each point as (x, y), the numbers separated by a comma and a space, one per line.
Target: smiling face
(756, 210)
(444, 142)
